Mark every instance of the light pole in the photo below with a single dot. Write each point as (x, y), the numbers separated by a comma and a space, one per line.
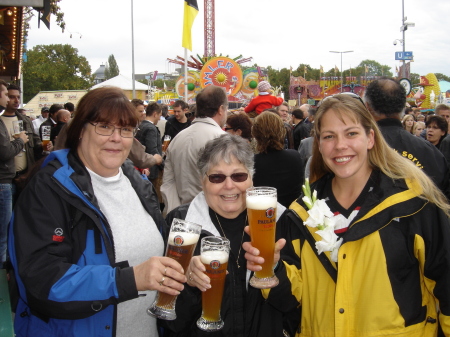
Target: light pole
(341, 52)
(403, 28)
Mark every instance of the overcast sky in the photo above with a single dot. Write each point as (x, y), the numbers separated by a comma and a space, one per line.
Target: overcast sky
(280, 33)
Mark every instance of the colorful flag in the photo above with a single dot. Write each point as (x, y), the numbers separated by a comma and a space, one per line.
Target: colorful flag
(321, 69)
(190, 12)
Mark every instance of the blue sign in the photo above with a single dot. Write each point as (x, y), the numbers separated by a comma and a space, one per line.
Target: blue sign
(407, 55)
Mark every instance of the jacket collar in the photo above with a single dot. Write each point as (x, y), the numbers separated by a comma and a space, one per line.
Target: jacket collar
(391, 199)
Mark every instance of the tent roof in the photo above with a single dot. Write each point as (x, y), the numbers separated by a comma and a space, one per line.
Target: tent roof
(122, 82)
(444, 86)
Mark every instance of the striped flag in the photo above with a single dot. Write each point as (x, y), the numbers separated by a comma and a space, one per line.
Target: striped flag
(190, 12)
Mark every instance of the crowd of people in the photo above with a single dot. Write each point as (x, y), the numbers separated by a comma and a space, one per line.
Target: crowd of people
(361, 251)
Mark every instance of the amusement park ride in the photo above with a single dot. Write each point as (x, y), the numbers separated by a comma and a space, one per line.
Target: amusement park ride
(241, 84)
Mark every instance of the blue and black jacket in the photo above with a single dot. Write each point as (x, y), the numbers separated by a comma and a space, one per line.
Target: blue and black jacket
(62, 250)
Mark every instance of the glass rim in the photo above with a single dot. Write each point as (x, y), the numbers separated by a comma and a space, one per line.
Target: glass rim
(190, 223)
(261, 190)
(221, 240)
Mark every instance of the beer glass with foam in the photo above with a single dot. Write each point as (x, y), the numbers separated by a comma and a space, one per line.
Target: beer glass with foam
(262, 217)
(183, 238)
(46, 130)
(214, 256)
(166, 143)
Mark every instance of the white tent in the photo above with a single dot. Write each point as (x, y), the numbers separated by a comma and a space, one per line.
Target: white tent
(122, 82)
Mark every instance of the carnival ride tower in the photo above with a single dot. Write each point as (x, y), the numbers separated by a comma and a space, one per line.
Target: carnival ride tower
(210, 30)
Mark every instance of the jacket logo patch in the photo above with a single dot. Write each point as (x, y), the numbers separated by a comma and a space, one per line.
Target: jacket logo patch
(58, 237)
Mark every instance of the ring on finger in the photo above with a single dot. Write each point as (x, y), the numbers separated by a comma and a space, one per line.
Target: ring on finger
(165, 271)
(162, 281)
(190, 276)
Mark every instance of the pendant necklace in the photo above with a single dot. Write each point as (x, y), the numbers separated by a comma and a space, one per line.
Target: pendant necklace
(242, 239)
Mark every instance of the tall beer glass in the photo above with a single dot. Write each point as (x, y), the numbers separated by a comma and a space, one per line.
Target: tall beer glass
(166, 142)
(46, 130)
(183, 238)
(262, 217)
(214, 256)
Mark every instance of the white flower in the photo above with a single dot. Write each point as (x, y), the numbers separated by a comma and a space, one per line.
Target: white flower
(330, 241)
(335, 251)
(308, 202)
(317, 214)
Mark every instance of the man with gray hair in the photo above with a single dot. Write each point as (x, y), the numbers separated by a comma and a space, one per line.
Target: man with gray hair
(385, 98)
(181, 179)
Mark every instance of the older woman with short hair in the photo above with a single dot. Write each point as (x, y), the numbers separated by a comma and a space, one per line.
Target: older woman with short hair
(85, 238)
(226, 168)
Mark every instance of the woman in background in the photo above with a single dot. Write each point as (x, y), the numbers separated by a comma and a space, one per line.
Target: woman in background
(274, 166)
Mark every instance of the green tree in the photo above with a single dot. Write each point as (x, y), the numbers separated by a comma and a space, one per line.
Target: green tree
(442, 77)
(415, 79)
(55, 67)
(30, 12)
(111, 68)
(374, 69)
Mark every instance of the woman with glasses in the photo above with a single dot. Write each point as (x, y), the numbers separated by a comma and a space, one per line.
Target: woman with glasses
(366, 247)
(86, 239)
(226, 167)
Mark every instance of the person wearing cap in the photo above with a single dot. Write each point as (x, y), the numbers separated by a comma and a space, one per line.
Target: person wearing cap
(263, 101)
(41, 119)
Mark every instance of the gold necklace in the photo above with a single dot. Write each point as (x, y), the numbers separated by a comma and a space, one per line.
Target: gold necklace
(242, 239)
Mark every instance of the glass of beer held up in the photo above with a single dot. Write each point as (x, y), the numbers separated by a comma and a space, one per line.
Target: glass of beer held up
(262, 217)
(214, 256)
(166, 142)
(183, 238)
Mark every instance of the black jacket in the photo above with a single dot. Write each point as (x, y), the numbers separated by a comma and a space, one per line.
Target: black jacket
(149, 136)
(173, 127)
(422, 153)
(244, 312)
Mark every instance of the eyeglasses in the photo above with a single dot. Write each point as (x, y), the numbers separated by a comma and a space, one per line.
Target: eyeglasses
(104, 129)
(347, 93)
(220, 178)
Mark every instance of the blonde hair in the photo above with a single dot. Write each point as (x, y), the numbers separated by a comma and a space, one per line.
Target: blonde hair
(416, 125)
(405, 118)
(381, 156)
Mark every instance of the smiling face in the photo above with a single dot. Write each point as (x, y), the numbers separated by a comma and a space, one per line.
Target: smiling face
(344, 146)
(103, 154)
(227, 198)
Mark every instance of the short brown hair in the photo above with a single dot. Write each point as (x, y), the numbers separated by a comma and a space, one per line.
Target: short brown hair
(105, 104)
(269, 131)
(241, 122)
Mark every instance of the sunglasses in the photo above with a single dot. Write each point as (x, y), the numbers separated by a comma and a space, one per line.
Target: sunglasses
(220, 178)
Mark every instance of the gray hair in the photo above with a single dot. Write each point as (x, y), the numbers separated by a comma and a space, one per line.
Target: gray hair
(226, 147)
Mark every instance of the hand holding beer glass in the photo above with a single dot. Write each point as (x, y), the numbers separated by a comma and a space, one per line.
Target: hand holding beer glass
(183, 238)
(262, 217)
(214, 256)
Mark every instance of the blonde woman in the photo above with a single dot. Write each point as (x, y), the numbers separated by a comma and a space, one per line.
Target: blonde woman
(418, 128)
(408, 123)
(387, 230)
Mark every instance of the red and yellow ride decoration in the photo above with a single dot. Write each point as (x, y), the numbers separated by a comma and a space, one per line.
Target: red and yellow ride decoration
(223, 72)
(421, 97)
(193, 86)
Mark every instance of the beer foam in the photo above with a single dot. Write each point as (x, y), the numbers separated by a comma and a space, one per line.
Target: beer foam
(261, 202)
(188, 238)
(211, 255)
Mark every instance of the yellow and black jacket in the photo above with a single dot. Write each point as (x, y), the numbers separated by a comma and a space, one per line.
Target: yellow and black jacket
(393, 270)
